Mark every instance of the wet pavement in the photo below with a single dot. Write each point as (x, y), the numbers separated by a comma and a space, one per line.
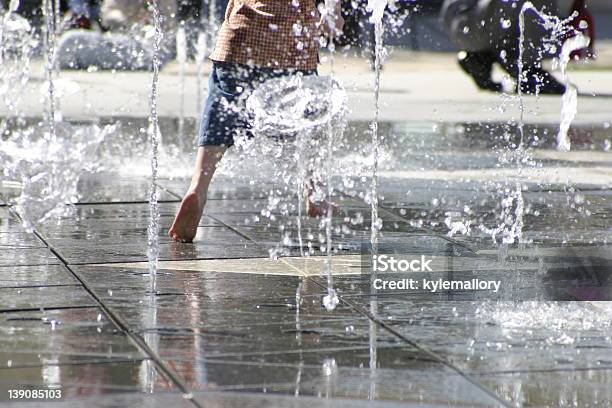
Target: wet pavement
(229, 326)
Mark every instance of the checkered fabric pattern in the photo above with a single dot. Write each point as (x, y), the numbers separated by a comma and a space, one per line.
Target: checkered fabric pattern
(269, 33)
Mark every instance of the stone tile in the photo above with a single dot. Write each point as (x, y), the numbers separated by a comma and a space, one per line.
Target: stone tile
(66, 336)
(223, 188)
(93, 397)
(46, 297)
(84, 380)
(286, 266)
(554, 388)
(210, 399)
(225, 314)
(434, 387)
(14, 239)
(137, 252)
(489, 336)
(42, 275)
(8, 223)
(269, 399)
(27, 257)
(111, 234)
(104, 187)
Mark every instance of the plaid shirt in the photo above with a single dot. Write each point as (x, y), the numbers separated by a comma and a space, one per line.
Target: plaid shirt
(269, 33)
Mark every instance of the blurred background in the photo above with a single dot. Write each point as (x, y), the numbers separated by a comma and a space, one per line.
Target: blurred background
(415, 24)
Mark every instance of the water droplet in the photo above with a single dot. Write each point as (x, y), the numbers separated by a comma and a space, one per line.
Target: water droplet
(329, 367)
(330, 301)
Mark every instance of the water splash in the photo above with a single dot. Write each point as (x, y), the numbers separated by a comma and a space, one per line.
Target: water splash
(283, 108)
(558, 28)
(305, 110)
(46, 171)
(16, 45)
(155, 136)
(42, 163)
(570, 97)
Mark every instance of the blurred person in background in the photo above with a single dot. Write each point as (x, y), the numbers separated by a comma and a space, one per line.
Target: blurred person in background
(84, 14)
(128, 43)
(487, 31)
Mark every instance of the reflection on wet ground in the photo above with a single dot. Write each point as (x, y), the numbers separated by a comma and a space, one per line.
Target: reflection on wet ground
(234, 328)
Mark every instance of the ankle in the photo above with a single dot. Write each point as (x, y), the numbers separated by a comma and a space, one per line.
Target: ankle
(200, 194)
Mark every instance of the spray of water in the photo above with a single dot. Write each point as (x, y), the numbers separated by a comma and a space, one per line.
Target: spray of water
(42, 163)
(569, 107)
(558, 28)
(46, 172)
(513, 206)
(16, 44)
(305, 111)
(155, 136)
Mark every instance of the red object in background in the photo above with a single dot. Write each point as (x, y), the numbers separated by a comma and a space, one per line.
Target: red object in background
(578, 23)
(82, 22)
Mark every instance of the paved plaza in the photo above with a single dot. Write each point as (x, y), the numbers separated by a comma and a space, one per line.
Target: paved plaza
(230, 326)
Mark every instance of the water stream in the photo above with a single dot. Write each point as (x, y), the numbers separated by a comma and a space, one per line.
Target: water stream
(181, 58)
(513, 206)
(570, 97)
(330, 301)
(50, 44)
(155, 138)
(377, 7)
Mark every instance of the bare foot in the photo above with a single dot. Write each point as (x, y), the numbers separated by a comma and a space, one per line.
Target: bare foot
(185, 225)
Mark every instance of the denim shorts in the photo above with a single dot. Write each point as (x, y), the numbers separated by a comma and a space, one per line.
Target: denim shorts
(229, 86)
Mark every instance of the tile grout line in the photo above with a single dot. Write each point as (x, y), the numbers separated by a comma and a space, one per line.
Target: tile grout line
(408, 341)
(386, 327)
(123, 326)
(119, 323)
(37, 309)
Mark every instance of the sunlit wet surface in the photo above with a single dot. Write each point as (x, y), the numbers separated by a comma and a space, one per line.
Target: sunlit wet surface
(225, 321)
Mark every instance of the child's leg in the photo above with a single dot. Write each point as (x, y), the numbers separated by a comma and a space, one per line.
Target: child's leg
(311, 159)
(188, 217)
